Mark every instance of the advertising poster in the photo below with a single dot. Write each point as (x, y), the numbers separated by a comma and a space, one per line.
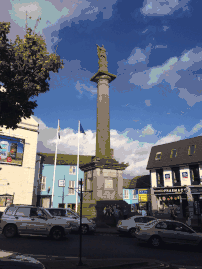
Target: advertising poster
(167, 176)
(11, 150)
(185, 175)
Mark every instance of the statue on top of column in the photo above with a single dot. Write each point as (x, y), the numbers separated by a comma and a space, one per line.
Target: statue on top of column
(102, 59)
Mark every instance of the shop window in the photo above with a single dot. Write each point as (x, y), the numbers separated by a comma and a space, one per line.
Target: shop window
(159, 178)
(158, 156)
(126, 194)
(71, 187)
(72, 170)
(173, 153)
(191, 150)
(176, 177)
(194, 175)
(43, 183)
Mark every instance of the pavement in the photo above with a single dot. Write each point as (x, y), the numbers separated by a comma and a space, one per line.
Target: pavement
(53, 262)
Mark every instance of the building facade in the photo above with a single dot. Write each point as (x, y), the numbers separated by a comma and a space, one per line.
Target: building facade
(65, 180)
(136, 192)
(176, 177)
(17, 163)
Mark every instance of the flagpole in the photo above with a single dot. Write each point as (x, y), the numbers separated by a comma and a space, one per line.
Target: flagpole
(55, 164)
(77, 169)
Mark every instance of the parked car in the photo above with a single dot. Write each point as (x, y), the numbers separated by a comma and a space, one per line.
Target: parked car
(87, 225)
(168, 231)
(130, 225)
(24, 219)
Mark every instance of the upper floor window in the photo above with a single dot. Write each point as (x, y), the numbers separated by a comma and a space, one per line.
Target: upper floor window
(191, 149)
(43, 183)
(173, 153)
(126, 194)
(72, 170)
(71, 186)
(158, 156)
(159, 178)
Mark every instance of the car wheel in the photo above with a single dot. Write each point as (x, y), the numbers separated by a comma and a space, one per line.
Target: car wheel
(56, 233)
(10, 231)
(132, 232)
(84, 229)
(155, 241)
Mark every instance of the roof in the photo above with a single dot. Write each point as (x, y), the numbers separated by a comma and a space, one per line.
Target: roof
(64, 159)
(137, 182)
(182, 157)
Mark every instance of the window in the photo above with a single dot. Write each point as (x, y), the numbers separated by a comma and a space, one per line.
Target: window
(79, 186)
(72, 185)
(158, 156)
(43, 183)
(135, 196)
(23, 212)
(161, 225)
(176, 177)
(159, 178)
(126, 195)
(10, 210)
(194, 174)
(72, 170)
(191, 150)
(173, 153)
(140, 220)
(108, 184)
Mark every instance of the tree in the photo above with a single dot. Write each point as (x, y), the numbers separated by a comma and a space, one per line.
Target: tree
(24, 73)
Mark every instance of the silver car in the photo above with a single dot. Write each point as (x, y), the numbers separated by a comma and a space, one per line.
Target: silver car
(25, 219)
(168, 231)
(130, 225)
(87, 225)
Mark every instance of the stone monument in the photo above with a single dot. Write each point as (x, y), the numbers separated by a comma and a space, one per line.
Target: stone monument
(103, 175)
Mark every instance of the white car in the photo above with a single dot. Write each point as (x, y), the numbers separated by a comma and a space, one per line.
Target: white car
(168, 231)
(130, 225)
(25, 219)
(87, 225)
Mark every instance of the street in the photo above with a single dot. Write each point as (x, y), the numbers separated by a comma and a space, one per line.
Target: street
(101, 246)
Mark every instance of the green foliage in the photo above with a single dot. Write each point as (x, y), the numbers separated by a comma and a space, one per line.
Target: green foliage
(25, 66)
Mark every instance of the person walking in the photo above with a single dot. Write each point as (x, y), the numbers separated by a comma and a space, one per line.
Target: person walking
(125, 212)
(173, 216)
(116, 215)
(107, 211)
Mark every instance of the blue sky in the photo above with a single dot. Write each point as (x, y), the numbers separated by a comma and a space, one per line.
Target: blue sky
(154, 48)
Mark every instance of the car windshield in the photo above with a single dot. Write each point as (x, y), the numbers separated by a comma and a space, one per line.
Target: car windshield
(48, 213)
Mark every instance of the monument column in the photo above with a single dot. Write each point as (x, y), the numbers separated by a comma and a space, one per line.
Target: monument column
(102, 78)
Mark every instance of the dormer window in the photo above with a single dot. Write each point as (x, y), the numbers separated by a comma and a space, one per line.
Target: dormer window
(158, 156)
(173, 153)
(191, 150)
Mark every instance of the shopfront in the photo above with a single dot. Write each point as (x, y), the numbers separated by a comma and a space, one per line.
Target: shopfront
(172, 197)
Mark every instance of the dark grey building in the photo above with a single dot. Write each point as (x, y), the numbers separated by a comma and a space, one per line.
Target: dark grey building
(176, 177)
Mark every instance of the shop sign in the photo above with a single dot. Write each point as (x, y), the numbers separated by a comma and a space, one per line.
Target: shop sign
(167, 176)
(193, 190)
(61, 183)
(173, 190)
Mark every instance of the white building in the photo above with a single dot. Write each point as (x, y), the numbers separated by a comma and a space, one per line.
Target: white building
(17, 163)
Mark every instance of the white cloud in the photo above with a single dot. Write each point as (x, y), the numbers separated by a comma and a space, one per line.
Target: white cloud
(163, 7)
(165, 28)
(148, 102)
(160, 47)
(126, 149)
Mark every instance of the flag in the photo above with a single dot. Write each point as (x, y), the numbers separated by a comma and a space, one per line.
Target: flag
(59, 131)
(81, 129)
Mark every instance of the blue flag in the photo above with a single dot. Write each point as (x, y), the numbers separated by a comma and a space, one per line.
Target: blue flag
(81, 129)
